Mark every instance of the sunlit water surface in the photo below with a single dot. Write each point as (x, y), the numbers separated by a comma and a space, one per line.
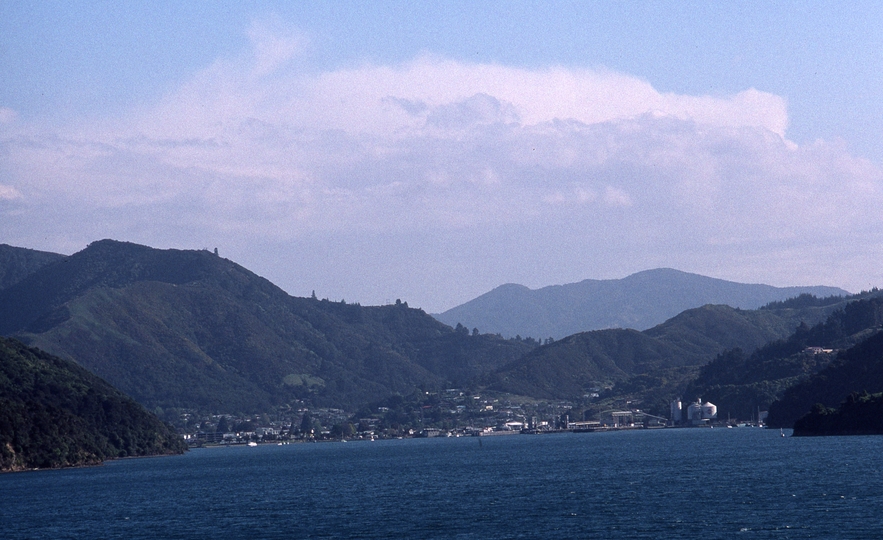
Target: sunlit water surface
(677, 483)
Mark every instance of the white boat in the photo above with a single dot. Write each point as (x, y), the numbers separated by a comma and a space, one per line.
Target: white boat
(252, 443)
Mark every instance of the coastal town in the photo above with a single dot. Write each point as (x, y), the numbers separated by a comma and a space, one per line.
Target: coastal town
(449, 413)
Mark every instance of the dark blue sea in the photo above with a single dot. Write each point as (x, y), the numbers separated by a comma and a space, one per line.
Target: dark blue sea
(675, 483)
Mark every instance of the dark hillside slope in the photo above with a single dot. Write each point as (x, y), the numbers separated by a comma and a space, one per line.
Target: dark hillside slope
(17, 263)
(709, 329)
(740, 383)
(54, 413)
(639, 301)
(859, 368)
(105, 263)
(189, 329)
(859, 414)
(569, 368)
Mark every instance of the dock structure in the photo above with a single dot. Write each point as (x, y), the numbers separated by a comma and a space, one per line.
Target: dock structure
(623, 418)
(585, 426)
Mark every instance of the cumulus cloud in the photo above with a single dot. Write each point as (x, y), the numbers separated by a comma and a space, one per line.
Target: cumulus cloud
(256, 146)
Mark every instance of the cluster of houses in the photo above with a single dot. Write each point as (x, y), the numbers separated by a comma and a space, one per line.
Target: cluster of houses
(450, 413)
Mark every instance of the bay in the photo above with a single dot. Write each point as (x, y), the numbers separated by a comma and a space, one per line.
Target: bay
(668, 483)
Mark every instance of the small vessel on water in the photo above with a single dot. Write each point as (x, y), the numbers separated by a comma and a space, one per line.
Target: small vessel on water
(252, 443)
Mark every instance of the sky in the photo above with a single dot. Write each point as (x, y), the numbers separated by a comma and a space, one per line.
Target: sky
(429, 152)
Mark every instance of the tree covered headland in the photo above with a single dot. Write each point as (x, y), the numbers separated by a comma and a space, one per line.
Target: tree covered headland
(54, 413)
(860, 414)
(856, 369)
(742, 383)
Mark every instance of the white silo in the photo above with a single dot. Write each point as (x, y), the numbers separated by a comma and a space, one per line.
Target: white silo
(676, 411)
(709, 410)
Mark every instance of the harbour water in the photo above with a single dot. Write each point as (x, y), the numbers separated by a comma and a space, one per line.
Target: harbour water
(672, 483)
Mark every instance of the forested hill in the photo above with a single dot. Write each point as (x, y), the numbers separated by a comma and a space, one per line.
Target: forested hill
(17, 263)
(189, 329)
(857, 369)
(639, 301)
(54, 413)
(859, 414)
(571, 367)
(740, 382)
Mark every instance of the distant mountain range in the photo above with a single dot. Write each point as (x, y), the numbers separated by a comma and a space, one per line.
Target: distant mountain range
(187, 329)
(639, 301)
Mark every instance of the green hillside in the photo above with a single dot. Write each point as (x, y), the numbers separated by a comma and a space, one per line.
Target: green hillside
(572, 367)
(184, 329)
(857, 369)
(54, 413)
(188, 329)
(740, 383)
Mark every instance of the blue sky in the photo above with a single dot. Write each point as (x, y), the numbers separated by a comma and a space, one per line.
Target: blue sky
(374, 151)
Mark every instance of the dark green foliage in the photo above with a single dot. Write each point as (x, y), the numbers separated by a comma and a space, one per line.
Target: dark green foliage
(860, 414)
(856, 369)
(242, 426)
(343, 430)
(570, 367)
(804, 300)
(188, 329)
(223, 426)
(17, 263)
(740, 384)
(306, 423)
(54, 414)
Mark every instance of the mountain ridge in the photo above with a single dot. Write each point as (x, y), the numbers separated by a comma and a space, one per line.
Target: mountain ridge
(188, 329)
(16, 263)
(638, 301)
(572, 366)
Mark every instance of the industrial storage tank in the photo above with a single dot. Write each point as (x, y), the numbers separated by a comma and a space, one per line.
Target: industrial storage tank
(709, 410)
(694, 412)
(676, 411)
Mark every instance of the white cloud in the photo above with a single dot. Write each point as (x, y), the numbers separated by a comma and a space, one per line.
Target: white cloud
(255, 147)
(8, 193)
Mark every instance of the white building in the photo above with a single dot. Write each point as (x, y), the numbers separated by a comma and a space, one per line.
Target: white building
(701, 413)
(676, 411)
